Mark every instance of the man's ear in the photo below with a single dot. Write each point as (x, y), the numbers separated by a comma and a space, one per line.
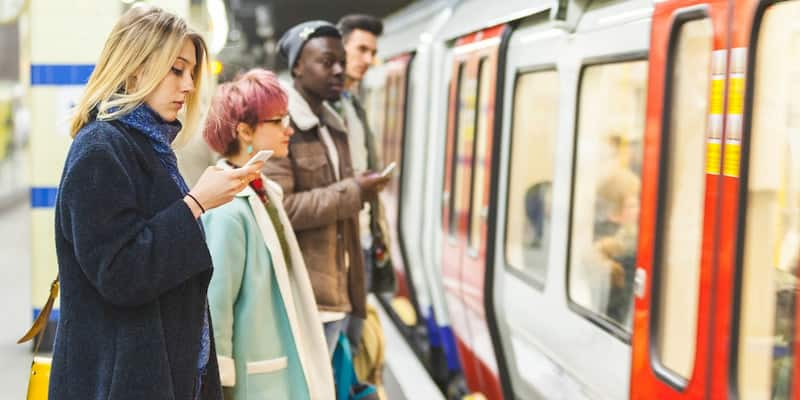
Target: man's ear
(296, 69)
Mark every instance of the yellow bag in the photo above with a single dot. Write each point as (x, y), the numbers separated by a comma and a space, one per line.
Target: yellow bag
(40, 378)
(369, 360)
(39, 381)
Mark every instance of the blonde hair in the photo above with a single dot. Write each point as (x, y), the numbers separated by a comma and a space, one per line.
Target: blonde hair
(138, 54)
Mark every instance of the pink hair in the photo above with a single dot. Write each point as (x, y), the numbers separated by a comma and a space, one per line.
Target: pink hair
(250, 98)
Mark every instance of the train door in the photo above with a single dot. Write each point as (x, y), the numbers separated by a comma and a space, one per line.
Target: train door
(412, 307)
(466, 197)
(760, 213)
(527, 173)
(426, 335)
(677, 279)
(602, 202)
(392, 142)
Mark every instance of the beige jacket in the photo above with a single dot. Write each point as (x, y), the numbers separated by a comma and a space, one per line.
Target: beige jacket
(323, 211)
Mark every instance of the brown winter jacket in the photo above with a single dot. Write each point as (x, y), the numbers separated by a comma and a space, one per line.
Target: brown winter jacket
(322, 210)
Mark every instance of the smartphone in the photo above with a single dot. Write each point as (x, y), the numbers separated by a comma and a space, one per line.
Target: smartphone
(262, 155)
(388, 170)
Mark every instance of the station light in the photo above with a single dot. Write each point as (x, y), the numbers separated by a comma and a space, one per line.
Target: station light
(218, 15)
(216, 67)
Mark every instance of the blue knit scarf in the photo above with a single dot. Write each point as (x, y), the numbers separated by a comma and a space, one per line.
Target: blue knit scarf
(161, 134)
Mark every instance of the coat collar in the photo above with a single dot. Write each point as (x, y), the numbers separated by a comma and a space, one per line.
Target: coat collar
(304, 118)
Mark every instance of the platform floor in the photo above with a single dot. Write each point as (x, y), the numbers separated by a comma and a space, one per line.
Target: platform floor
(15, 296)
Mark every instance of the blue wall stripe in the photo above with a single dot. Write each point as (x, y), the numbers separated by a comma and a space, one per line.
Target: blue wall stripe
(43, 197)
(53, 314)
(60, 74)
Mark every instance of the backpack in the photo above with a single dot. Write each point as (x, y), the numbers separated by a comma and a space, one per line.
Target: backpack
(347, 385)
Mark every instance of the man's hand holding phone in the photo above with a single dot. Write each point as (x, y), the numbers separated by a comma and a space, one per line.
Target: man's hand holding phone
(388, 170)
(373, 182)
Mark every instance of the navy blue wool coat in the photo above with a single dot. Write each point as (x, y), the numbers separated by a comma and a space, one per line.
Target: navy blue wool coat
(134, 270)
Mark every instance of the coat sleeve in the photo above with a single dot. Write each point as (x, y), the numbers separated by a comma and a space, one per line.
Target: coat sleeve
(227, 241)
(130, 258)
(317, 207)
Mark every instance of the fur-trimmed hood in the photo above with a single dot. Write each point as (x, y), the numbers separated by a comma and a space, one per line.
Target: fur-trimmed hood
(304, 118)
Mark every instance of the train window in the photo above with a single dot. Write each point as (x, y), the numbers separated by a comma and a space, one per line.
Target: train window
(376, 111)
(683, 197)
(765, 356)
(392, 138)
(460, 90)
(465, 134)
(477, 211)
(390, 121)
(605, 207)
(533, 142)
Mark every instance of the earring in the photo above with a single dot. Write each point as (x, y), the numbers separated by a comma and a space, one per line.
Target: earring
(249, 149)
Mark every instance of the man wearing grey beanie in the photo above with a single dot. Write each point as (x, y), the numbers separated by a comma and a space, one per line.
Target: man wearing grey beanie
(321, 194)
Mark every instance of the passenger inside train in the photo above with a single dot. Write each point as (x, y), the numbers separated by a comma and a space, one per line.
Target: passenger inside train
(614, 244)
(537, 209)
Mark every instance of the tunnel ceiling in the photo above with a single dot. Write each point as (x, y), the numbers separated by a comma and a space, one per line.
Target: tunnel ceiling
(257, 25)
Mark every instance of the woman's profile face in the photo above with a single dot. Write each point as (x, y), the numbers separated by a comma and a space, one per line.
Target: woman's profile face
(170, 95)
(271, 134)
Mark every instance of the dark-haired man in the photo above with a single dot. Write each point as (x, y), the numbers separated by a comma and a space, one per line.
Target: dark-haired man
(360, 37)
(322, 195)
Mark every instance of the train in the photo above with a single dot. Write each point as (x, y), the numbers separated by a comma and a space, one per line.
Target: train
(596, 199)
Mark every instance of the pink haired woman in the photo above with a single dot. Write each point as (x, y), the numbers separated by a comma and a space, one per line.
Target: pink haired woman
(268, 334)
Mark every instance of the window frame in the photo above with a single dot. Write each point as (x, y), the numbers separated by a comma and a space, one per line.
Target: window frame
(520, 272)
(679, 19)
(612, 329)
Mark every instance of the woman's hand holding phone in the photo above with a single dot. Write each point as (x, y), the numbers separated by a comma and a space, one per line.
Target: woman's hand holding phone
(218, 186)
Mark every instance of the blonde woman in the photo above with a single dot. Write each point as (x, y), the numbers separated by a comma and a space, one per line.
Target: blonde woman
(133, 263)
(268, 332)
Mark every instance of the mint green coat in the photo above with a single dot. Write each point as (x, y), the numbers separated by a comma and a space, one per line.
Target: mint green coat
(267, 331)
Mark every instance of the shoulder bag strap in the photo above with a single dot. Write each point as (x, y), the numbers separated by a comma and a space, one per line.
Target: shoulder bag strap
(41, 321)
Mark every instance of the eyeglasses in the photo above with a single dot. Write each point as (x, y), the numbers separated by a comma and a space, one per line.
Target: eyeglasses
(284, 121)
